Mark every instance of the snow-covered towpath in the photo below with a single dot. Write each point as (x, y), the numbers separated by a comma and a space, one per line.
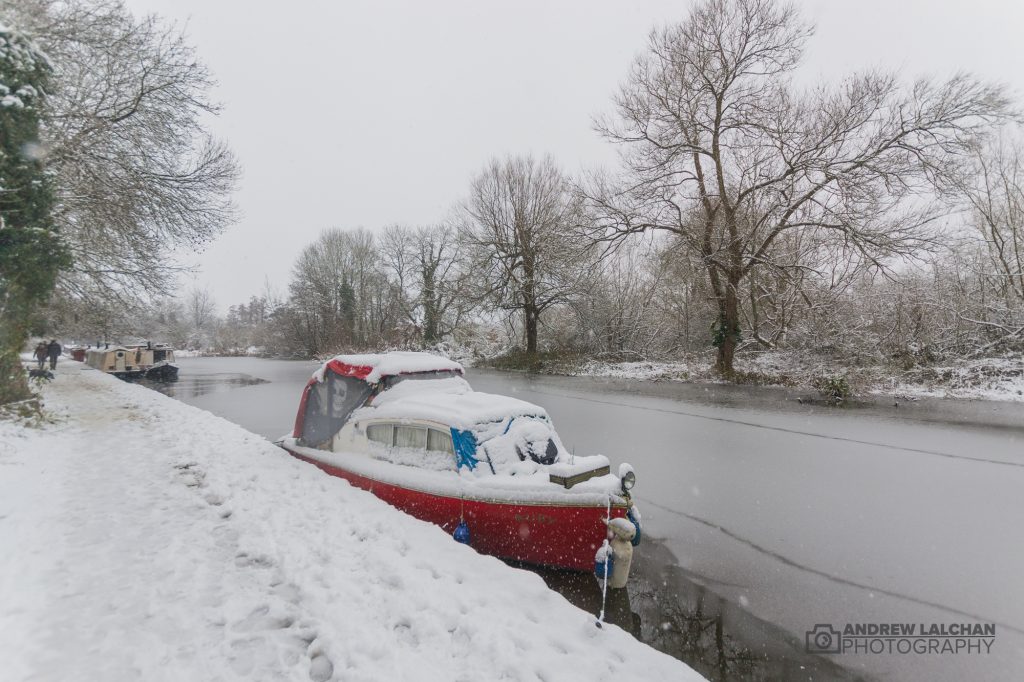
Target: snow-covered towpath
(147, 539)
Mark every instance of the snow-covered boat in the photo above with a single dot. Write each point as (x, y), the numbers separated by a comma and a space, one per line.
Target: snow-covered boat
(490, 469)
(135, 362)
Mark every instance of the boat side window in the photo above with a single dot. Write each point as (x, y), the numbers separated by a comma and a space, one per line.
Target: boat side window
(440, 441)
(403, 436)
(381, 433)
(411, 437)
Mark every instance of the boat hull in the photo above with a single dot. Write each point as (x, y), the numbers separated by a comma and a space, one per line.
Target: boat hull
(561, 536)
(165, 372)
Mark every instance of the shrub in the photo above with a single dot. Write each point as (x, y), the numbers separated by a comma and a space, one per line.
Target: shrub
(834, 389)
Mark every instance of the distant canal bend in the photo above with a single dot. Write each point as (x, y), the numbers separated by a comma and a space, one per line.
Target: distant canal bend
(765, 517)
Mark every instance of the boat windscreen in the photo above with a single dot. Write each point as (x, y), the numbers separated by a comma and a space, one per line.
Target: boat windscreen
(390, 381)
(329, 405)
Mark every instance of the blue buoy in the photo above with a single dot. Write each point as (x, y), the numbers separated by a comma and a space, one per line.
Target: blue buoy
(604, 568)
(632, 518)
(461, 533)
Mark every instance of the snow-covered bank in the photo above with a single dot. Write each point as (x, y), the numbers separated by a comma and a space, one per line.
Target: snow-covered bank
(977, 379)
(152, 540)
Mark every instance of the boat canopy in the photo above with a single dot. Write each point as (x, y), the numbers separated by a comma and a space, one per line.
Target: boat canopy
(372, 367)
(346, 382)
(423, 393)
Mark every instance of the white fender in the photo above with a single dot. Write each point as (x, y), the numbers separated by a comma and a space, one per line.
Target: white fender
(621, 533)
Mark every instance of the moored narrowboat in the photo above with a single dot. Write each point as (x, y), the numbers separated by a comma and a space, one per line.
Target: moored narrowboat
(152, 361)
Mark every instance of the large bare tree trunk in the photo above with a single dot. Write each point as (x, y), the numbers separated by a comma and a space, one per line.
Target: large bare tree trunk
(727, 335)
(430, 311)
(531, 316)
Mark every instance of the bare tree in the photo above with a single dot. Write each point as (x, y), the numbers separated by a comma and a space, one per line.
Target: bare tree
(425, 262)
(321, 292)
(201, 308)
(339, 295)
(993, 187)
(720, 149)
(516, 226)
(138, 177)
(620, 309)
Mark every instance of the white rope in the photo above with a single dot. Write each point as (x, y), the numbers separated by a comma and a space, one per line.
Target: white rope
(607, 565)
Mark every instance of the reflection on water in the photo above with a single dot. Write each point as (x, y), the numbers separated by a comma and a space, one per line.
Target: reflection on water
(718, 638)
(665, 609)
(194, 385)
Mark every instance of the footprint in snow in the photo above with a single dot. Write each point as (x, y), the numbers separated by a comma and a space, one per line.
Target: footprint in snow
(192, 476)
(246, 560)
(405, 634)
(320, 668)
(262, 619)
(288, 591)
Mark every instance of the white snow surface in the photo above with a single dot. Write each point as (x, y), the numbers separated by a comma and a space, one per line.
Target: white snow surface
(147, 539)
(449, 401)
(500, 423)
(393, 363)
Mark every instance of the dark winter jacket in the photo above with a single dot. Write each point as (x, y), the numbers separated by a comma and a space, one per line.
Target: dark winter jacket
(42, 350)
(54, 350)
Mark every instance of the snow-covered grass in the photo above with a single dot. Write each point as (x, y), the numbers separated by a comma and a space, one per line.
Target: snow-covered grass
(147, 539)
(986, 379)
(679, 370)
(999, 378)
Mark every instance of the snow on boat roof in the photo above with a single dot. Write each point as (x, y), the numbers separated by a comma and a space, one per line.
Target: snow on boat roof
(372, 367)
(448, 401)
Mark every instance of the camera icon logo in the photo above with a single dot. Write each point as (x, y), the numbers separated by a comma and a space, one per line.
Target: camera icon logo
(823, 639)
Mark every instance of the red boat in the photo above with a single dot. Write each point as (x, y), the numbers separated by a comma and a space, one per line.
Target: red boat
(490, 469)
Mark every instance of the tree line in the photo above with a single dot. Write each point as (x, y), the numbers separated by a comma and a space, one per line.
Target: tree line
(875, 218)
(872, 217)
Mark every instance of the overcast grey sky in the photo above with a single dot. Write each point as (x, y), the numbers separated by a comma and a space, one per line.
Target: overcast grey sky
(368, 113)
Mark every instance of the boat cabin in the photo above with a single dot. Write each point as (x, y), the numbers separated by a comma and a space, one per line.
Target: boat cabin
(149, 355)
(115, 359)
(417, 410)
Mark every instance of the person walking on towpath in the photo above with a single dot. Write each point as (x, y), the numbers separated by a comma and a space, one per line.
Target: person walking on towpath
(42, 350)
(54, 350)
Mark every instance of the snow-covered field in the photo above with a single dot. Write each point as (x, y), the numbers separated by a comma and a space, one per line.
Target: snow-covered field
(147, 539)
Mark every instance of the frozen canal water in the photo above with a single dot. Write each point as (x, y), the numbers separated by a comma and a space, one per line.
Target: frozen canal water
(769, 516)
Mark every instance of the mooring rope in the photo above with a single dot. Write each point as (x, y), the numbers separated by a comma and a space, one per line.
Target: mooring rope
(607, 565)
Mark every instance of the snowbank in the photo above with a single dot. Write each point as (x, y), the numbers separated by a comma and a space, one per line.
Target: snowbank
(980, 379)
(148, 539)
(965, 379)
